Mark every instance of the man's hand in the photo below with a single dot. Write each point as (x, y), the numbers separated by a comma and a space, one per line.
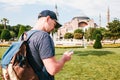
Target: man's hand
(67, 55)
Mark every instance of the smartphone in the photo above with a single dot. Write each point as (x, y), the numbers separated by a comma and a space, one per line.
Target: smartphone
(71, 51)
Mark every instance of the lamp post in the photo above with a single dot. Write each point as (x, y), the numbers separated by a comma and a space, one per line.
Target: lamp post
(84, 43)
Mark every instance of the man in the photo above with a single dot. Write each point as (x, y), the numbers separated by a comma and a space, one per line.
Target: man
(42, 46)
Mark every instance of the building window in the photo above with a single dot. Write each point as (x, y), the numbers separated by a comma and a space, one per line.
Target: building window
(82, 24)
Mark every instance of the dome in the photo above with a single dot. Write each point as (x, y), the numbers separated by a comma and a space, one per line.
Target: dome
(81, 18)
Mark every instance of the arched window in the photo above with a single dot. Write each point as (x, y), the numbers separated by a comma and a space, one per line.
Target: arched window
(82, 24)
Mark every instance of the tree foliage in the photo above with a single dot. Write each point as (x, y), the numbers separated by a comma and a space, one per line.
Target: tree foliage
(95, 32)
(4, 22)
(21, 30)
(78, 31)
(14, 30)
(78, 36)
(114, 29)
(68, 36)
(5, 34)
(13, 35)
(89, 33)
(1, 26)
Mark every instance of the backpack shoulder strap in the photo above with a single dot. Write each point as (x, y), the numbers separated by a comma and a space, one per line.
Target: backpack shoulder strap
(26, 35)
(30, 33)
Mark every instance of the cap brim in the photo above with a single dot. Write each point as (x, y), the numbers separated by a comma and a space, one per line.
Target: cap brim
(58, 25)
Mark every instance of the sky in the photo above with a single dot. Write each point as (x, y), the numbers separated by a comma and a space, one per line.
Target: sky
(26, 11)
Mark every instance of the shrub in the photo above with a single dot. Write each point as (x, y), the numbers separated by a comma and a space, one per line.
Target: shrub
(97, 44)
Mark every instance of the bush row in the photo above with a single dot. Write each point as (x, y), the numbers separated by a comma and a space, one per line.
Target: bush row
(104, 46)
(111, 45)
(4, 45)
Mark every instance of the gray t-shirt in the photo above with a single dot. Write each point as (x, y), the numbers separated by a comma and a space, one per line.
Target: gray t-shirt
(41, 47)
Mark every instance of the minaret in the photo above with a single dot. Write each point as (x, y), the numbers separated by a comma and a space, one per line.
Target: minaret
(108, 15)
(56, 11)
(55, 35)
(99, 20)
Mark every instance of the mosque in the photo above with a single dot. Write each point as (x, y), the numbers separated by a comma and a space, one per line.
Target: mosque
(78, 22)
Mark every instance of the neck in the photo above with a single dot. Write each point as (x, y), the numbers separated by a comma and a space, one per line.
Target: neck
(38, 26)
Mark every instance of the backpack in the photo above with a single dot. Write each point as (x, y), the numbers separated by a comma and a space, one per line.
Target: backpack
(15, 65)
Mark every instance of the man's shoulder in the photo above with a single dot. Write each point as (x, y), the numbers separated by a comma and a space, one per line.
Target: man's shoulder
(40, 34)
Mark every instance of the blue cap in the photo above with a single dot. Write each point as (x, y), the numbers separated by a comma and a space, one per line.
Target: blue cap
(52, 15)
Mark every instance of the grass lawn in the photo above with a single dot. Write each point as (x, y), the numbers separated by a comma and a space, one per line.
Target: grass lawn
(89, 64)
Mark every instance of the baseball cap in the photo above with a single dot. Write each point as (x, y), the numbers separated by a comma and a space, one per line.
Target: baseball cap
(52, 15)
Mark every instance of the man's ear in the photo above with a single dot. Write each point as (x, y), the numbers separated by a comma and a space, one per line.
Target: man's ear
(48, 17)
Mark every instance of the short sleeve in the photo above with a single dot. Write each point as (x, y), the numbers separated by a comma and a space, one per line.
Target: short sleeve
(46, 48)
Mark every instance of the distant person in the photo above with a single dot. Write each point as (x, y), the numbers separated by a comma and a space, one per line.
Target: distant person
(42, 46)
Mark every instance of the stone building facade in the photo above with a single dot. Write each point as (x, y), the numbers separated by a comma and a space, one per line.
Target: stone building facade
(82, 22)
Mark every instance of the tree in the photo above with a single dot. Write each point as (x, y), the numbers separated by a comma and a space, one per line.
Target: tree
(1, 26)
(97, 44)
(21, 30)
(12, 33)
(107, 34)
(16, 29)
(68, 35)
(95, 32)
(114, 29)
(27, 27)
(4, 22)
(89, 33)
(103, 31)
(78, 31)
(78, 34)
(5, 34)
(0, 33)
